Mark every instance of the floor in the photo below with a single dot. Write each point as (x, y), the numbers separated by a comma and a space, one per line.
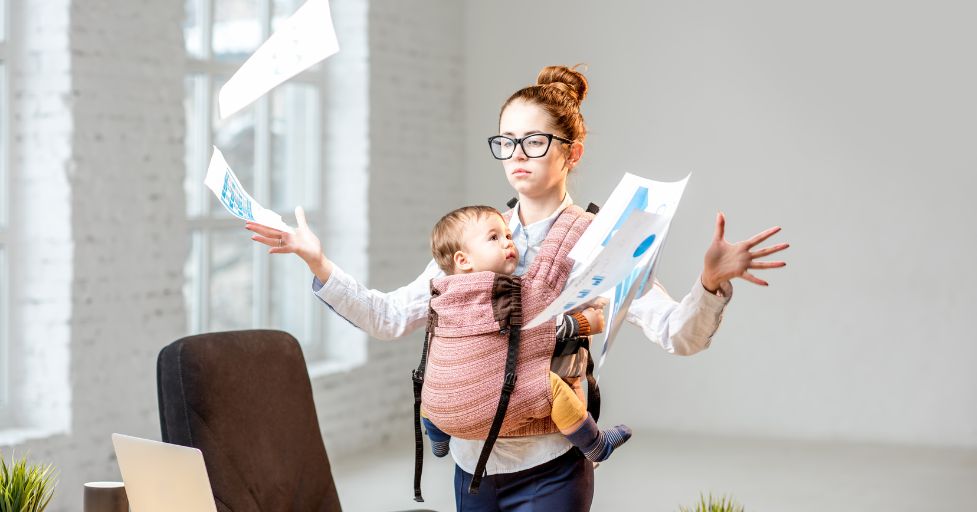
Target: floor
(660, 471)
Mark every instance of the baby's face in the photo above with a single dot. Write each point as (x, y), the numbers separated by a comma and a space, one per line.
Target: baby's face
(487, 242)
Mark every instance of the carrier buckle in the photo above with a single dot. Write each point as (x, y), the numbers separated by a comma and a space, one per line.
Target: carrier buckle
(417, 377)
(509, 383)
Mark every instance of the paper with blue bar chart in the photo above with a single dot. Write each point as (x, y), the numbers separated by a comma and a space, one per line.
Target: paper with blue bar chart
(618, 253)
(229, 191)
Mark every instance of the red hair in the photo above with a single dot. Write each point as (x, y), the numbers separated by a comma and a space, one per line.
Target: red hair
(559, 90)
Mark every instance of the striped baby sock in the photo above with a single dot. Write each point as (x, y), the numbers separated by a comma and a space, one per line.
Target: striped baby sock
(597, 445)
(439, 448)
(439, 440)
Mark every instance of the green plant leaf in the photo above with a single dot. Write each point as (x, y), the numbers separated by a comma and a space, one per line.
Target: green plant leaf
(25, 487)
(710, 504)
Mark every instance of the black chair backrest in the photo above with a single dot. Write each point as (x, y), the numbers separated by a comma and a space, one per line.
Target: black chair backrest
(244, 399)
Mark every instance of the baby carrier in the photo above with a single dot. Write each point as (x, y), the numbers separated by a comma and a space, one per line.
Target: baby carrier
(481, 376)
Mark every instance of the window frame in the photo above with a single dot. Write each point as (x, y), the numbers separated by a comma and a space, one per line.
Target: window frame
(203, 74)
(5, 407)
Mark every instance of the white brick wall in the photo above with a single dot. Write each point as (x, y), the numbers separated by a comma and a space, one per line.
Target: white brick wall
(127, 199)
(98, 250)
(99, 237)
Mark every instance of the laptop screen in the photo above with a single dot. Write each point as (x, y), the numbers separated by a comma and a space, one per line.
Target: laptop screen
(162, 477)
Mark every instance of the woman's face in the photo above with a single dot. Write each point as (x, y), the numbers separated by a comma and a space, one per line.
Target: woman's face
(533, 177)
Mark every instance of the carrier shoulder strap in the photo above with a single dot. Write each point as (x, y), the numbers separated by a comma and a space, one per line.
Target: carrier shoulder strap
(593, 391)
(591, 208)
(510, 322)
(418, 377)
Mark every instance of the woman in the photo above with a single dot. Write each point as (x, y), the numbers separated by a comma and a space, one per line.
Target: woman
(540, 143)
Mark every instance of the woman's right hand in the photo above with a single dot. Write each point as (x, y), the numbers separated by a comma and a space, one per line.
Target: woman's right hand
(302, 243)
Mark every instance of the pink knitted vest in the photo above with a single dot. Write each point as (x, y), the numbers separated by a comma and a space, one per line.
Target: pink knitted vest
(469, 316)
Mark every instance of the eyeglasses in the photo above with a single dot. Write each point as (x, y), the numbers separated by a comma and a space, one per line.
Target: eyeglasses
(533, 146)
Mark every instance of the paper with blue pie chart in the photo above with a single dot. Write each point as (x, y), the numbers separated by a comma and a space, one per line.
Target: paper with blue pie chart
(631, 193)
(635, 240)
(634, 197)
(635, 193)
(633, 286)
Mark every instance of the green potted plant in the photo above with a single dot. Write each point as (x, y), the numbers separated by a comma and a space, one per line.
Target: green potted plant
(25, 487)
(723, 504)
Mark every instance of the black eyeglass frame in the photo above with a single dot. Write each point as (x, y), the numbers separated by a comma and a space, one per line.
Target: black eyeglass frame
(549, 142)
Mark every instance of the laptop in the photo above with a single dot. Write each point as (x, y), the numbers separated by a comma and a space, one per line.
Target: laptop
(161, 477)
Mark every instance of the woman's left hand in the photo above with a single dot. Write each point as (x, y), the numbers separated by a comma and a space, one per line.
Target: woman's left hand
(724, 261)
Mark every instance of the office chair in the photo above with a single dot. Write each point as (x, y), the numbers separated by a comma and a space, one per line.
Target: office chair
(245, 400)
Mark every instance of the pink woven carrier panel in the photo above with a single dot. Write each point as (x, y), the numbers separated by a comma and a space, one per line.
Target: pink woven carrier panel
(466, 361)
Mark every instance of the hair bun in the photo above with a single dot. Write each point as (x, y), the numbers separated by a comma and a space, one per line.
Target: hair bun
(567, 79)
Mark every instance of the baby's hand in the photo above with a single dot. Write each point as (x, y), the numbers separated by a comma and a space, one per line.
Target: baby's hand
(576, 385)
(595, 317)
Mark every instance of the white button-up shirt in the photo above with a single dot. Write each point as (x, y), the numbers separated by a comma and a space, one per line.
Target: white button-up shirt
(684, 328)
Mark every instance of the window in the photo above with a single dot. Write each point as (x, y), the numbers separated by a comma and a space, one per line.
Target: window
(277, 148)
(4, 187)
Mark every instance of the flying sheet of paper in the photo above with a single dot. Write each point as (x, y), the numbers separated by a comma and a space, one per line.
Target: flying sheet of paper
(225, 185)
(633, 242)
(304, 39)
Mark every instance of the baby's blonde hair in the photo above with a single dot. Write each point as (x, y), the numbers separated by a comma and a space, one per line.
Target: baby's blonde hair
(448, 232)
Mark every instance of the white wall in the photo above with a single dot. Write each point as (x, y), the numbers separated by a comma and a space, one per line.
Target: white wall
(850, 124)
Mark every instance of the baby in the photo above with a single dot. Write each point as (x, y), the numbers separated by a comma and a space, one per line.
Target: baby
(477, 239)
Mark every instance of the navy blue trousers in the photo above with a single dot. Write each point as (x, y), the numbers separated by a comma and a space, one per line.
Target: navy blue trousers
(564, 484)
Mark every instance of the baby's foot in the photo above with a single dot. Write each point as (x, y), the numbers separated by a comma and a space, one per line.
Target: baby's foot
(607, 441)
(439, 448)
